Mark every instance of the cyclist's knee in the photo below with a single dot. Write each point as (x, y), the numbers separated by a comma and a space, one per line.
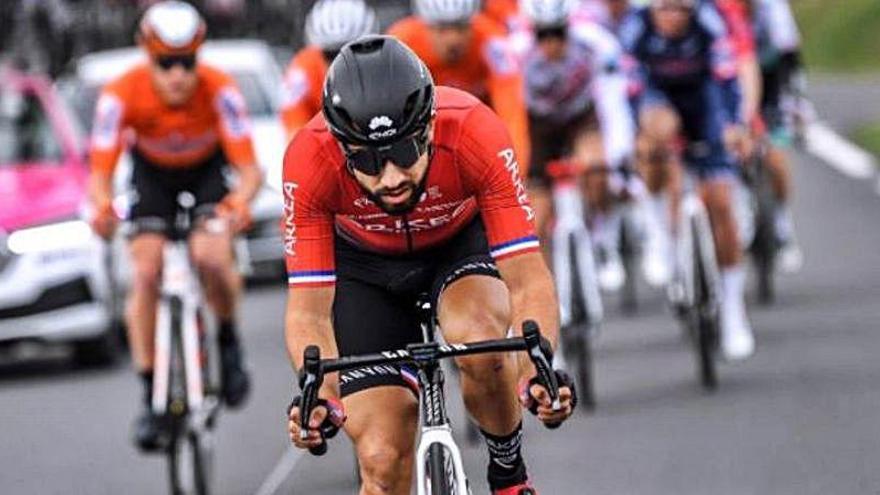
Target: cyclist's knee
(482, 324)
(385, 467)
(146, 260)
(210, 262)
(659, 124)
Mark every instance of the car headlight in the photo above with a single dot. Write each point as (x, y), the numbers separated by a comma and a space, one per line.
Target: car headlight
(70, 234)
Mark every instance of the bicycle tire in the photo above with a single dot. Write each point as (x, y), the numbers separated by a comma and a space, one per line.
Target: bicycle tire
(706, 318)
(438, 482)
(579, 336)
(765, 245)
(189, 454)
(629, 300)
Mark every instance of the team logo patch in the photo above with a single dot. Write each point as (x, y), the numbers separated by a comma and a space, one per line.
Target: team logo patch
(233, 113)
(108, 117)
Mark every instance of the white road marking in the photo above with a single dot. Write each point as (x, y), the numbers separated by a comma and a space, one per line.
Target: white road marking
(838, 152)
(281, 471)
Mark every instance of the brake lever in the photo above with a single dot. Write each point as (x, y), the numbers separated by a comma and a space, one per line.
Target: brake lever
(310, 382)
(542, 362)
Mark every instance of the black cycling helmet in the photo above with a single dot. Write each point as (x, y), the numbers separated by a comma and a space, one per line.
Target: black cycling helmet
(377, 91)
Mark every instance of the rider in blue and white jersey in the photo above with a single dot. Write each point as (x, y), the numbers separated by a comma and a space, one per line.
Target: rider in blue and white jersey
(688, 74)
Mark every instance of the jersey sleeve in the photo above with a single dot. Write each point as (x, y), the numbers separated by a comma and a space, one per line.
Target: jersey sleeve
(308, 223)
(489, 168)
(507, 93)
(235, 124)
(783, 29)
(610, 93)
(106, 139)
(298, 95)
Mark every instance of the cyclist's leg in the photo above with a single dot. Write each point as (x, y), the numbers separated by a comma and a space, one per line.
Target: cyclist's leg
(476, 307)
(150, 215)
(717, 172)
(374, 310)
(546, 146)
(473, 304)
(212, 254)
(660, 166)
(604, 214)
(382, 424)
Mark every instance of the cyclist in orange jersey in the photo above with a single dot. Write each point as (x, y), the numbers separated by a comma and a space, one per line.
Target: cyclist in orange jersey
(329, 25)
(181, 122)
(468, 50)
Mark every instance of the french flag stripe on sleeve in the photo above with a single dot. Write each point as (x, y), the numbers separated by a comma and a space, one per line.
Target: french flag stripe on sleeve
(311, 277)
(516, 245)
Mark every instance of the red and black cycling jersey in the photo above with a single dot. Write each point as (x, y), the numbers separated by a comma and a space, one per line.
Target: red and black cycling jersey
(473, 170)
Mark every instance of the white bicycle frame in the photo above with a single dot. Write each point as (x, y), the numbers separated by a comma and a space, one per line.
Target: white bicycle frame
(179, 282)
(442, 435)
(693, 212)
(570, 223)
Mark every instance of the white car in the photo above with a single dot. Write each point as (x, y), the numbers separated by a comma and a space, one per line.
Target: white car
(54, 285)
(252, 65)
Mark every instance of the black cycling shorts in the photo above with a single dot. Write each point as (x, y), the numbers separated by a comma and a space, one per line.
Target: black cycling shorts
(375, 305)
(553, 141)
(156, 190)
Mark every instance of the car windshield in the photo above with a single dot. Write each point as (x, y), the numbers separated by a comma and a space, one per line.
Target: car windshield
(26, 133)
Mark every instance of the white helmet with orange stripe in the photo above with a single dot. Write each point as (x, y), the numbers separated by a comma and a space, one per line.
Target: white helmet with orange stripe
(171, 27)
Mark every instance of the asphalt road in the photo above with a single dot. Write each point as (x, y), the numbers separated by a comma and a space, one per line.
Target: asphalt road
(801, 417)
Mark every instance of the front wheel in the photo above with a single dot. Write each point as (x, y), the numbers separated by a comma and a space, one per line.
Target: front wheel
(578, 349)
(190, 459)
(706, 314)
(440, 479)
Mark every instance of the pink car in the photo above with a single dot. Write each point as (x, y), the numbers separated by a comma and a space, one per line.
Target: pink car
(53, 282)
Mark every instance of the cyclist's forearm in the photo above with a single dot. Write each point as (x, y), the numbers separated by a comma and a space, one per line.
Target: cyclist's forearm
(304, 326)
(750, 89)
(250, 179)
(532, 297)
(100, 188)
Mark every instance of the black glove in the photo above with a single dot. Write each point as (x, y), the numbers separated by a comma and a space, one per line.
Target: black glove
(331, 424)
(529, 402)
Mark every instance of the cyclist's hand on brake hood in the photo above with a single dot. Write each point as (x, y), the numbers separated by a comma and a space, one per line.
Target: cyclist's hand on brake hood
(534, 397)
(326, 420)
(104, 220)
(235, 209)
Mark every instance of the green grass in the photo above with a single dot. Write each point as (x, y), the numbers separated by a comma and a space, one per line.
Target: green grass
(868, 137)
(840, 35)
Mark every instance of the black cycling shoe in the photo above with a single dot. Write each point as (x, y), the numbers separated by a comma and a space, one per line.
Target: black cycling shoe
(236, 383)
(149, 432)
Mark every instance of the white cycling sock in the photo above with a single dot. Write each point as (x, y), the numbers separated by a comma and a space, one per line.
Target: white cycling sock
(733, 287)
(657, 220)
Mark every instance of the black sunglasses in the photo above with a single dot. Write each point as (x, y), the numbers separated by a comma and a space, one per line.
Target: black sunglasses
(404, 154)
(560, 32)
(167, 62)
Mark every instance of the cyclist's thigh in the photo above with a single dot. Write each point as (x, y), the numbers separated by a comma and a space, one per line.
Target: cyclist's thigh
(548, 144)
(209, 184)
(154, 198)
(470, 298)
(658, 119)
(474, 307)
(703, 126)
(145, 251)
(370, 317)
